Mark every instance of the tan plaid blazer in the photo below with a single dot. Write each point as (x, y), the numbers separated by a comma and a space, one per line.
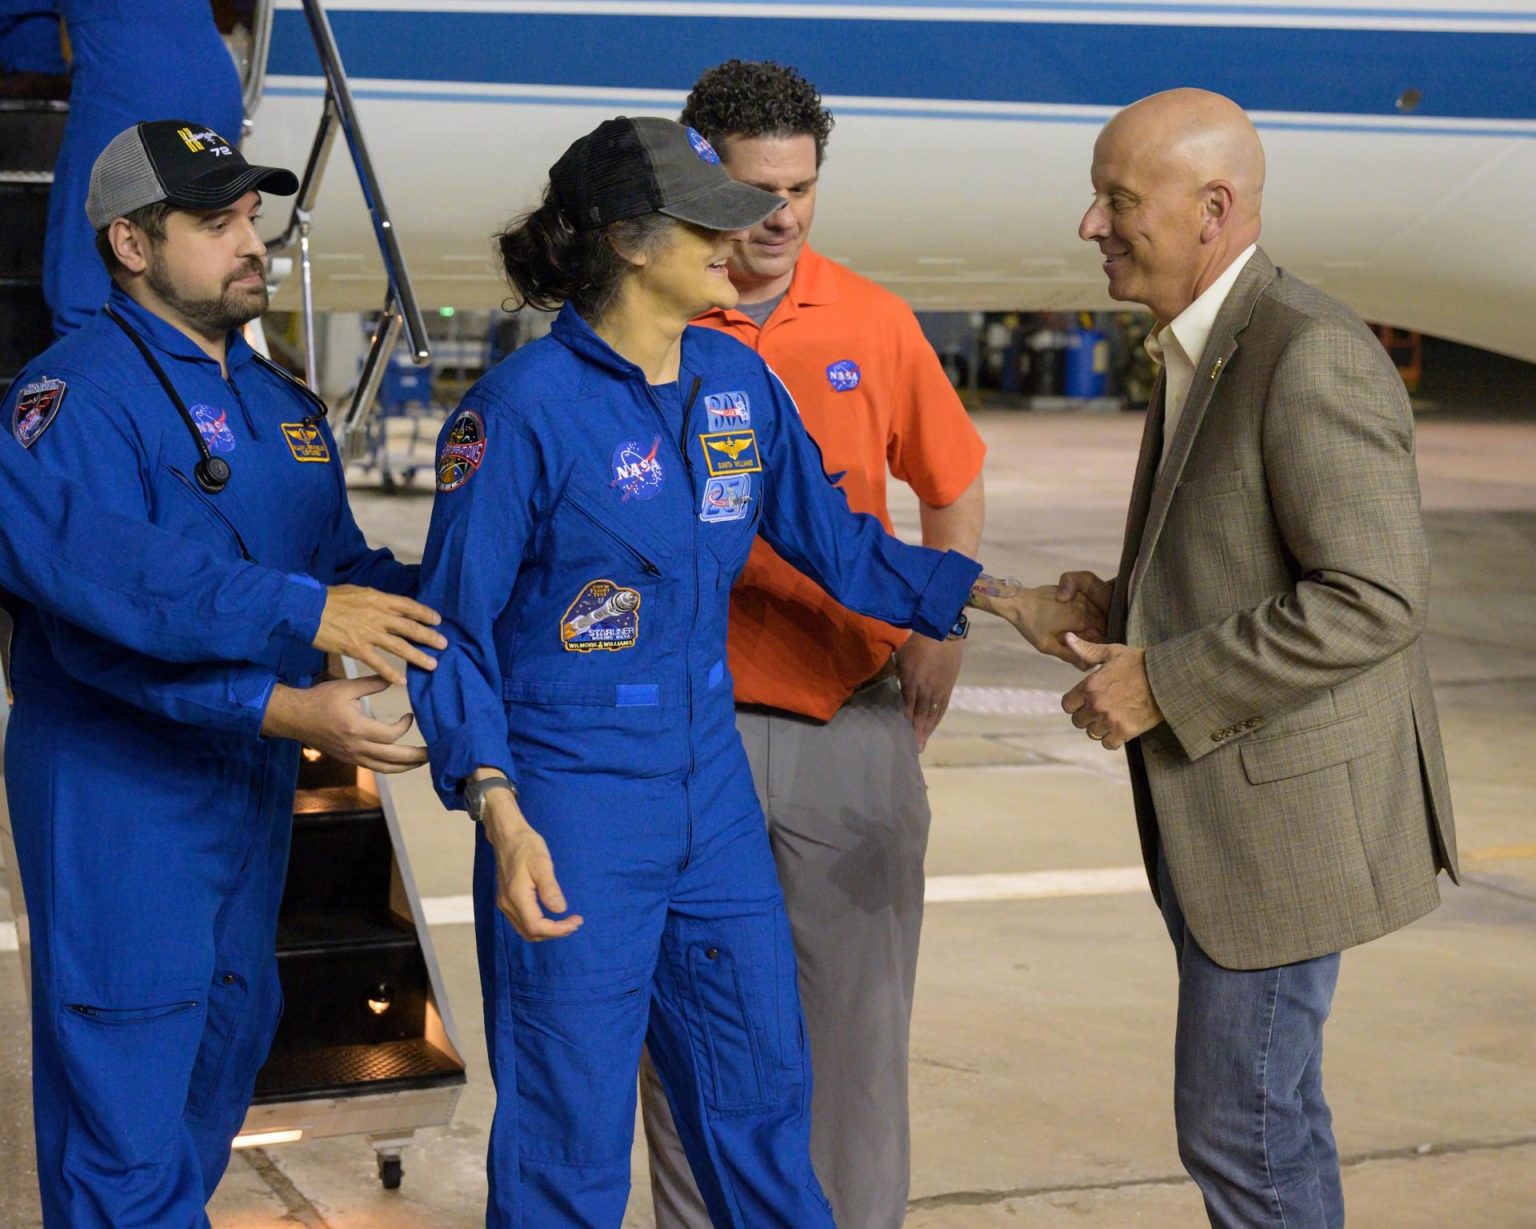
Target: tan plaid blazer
(1275, 570)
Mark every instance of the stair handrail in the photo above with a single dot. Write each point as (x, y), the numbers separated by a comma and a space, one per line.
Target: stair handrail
(400, 306)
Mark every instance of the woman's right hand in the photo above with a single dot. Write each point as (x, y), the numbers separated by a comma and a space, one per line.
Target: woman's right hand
(525, 873)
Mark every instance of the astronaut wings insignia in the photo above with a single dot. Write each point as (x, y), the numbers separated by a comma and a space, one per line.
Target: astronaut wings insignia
(731, 452)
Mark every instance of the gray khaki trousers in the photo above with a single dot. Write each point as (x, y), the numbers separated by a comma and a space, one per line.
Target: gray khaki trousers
(848, 818)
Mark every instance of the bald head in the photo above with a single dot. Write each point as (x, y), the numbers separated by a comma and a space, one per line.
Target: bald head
(1206, 136)
(1178, 183)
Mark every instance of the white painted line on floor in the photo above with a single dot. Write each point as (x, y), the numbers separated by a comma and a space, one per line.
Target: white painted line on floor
(942, 890)
(1006, 701)
(1035, 885)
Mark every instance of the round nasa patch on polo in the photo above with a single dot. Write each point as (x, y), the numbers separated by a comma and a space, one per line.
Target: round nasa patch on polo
(703, 148)
(844, 375)
(462, 451)
(213, 426)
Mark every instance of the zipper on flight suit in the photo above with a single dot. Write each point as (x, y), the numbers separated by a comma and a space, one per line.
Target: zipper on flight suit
(649, 568)
(682, 444)
(203, 503)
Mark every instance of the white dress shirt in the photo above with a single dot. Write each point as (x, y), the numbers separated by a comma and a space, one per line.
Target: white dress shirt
(1178, 345)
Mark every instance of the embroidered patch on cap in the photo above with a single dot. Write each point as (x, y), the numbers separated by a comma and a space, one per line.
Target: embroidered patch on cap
(702, 147)
(844, 375)
(305, 441)
(36, 407)
(637, 471)
(726, 499)
(727, 410)
(463, 450)
(213, 426)
(731, 452)
(604, 615)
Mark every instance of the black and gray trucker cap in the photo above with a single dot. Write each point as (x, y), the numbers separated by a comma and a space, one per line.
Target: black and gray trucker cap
(627, 167)
(183, 164)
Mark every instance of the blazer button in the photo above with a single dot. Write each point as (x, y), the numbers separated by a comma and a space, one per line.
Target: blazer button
(1218, 736)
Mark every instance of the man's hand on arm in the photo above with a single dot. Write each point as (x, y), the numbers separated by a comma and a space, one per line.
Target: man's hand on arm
(367, 625)
(525, 872)
(1114, 704)
(329, 717)
(1040, 615)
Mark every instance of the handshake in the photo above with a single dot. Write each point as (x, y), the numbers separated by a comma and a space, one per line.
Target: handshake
(1069, 620)
(1058, 620)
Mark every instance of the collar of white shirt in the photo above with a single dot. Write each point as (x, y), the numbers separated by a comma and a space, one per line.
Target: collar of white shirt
(1191, 328)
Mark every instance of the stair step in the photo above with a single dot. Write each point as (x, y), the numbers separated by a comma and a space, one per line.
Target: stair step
(23, 224)
(330, 1071)
(30, 134)
(45, 178)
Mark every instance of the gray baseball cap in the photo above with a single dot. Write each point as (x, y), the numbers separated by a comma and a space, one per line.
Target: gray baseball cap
(186, 165)
(627, 167)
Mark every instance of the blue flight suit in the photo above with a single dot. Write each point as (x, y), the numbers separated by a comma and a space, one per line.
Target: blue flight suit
(162, 594)
(584, 540)
(132, 60)
(151, 820)
(29, 37)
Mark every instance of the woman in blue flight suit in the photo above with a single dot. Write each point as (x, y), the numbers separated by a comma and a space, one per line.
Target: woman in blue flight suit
(598, 493)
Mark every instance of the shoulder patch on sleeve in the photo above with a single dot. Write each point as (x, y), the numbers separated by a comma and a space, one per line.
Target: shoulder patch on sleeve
(462, 451)
(37, 405)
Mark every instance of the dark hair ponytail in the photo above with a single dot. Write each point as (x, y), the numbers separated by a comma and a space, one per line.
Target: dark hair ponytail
(548, 262)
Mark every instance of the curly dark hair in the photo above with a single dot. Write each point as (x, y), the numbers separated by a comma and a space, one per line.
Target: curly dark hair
(757, 99)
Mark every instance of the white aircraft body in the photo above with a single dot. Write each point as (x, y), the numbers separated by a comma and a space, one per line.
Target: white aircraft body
(1401, 135)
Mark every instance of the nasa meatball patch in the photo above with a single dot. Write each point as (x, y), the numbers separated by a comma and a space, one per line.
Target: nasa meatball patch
(36, 407)
(844, 375)
(463, 450)
(604, 615)
(637, 471)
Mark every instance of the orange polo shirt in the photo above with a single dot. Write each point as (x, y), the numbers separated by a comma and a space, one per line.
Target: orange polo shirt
(872, 393)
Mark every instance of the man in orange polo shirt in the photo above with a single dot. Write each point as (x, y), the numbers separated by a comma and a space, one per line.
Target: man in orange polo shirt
(833, 707)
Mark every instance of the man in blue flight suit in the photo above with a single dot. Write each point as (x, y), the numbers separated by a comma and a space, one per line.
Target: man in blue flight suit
(151, 802)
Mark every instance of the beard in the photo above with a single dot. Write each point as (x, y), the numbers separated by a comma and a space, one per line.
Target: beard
(233, 308)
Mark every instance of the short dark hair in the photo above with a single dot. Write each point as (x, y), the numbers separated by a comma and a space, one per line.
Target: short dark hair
(148, 218)
(757, 99)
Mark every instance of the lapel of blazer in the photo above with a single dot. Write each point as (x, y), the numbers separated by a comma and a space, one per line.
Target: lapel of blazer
(1141, 500)
(1219, 348)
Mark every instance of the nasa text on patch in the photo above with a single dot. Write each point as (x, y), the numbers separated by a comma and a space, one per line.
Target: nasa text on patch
(213, 426)
(462, 451)
(727, 410)
(36, 407)
(605, 615)
(726, 499)
(731, 452)
(637, 470)
(305, 441)
(844, 375)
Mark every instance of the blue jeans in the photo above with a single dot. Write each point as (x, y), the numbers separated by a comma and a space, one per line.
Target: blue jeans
(1254, 1130)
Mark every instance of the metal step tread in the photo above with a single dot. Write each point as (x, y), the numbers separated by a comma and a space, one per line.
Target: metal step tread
(339, 801)
(26, 177)
(311, 933)
(333, 1071)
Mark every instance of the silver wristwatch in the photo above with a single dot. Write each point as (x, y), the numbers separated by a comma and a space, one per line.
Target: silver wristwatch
(474, 792)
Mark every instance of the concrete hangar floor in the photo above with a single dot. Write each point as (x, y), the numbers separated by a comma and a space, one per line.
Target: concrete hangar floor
(1042, 1042)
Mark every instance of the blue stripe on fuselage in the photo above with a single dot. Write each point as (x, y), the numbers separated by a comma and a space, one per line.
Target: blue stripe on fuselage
(1338, 71)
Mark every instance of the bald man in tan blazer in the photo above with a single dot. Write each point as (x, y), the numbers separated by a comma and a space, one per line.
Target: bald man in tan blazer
(1266, 673)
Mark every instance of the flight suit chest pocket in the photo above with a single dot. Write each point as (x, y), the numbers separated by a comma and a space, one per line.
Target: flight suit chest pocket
(613, 534)
(181, 506)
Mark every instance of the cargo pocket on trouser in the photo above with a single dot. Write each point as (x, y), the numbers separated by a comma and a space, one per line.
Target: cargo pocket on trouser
(128, 1069)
